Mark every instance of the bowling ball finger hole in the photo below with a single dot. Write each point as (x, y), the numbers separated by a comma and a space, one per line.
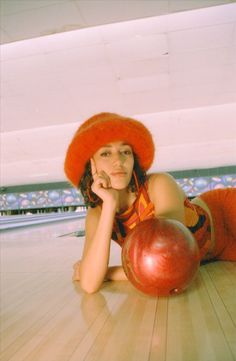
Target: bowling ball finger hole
(175, 291)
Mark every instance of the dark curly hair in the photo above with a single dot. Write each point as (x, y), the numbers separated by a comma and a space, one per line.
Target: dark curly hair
(91, 199)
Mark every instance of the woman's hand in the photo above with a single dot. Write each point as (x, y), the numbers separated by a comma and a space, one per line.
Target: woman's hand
(76, 275)
(102, 186)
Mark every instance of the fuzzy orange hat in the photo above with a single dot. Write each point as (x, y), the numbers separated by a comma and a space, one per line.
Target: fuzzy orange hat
(101, 129)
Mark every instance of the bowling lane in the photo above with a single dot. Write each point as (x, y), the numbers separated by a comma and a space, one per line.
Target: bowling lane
(45, 316)
(36, 265)
(45, 247)
(32, 247)
(36, 271)
(16, 221)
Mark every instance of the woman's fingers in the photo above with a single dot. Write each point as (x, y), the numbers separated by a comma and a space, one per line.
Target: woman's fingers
(93, 167)
(76, 273)
(100, 181)
(100, 178)
(103, 175)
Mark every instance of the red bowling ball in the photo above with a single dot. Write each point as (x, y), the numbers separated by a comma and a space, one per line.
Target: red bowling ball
(160, 257)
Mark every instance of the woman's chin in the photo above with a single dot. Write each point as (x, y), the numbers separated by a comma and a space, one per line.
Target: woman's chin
(119, 185)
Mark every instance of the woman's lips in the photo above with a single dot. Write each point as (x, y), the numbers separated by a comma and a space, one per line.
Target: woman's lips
(118, 173)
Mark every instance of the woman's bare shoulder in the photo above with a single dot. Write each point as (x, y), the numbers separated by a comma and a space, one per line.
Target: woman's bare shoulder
(167, 196)
(160, 178)
(158, 182)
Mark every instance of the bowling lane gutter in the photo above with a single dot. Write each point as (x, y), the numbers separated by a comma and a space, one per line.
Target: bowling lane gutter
(31, 217)
(16, 222)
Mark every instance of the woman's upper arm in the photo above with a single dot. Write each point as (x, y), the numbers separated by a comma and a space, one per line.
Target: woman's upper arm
(167, 196)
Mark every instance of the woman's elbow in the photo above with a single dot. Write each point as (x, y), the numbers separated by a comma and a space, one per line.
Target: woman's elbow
(90, 283)
(88, 287)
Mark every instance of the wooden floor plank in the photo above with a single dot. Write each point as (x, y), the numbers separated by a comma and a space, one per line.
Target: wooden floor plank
(220, 299)
(159, 336)
(31, 323)
(127, 333)
(194, 328)
(224, 279)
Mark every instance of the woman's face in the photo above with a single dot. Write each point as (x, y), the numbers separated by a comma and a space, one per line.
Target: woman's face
(116, 160)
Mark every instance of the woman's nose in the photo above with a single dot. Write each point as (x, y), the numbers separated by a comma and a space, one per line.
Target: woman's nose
(118, 158)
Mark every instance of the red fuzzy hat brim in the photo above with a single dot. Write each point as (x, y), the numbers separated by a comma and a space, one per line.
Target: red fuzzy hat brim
(102, 129)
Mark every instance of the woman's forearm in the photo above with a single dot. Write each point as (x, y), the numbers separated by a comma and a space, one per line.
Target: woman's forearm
(94, 264)
(116, 273)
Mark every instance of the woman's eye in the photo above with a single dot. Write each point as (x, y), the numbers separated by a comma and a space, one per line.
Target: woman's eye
(105, 154)
(127, 152)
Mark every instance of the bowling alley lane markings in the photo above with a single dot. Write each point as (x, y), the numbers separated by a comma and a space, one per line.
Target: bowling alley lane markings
(79, 233)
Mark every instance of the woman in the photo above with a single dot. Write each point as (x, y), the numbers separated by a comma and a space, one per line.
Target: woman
(107, 160)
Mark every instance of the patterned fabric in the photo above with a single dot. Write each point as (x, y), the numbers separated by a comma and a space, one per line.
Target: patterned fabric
(196, 220)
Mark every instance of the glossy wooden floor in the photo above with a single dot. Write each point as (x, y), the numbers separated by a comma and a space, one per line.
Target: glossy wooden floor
(46, 317)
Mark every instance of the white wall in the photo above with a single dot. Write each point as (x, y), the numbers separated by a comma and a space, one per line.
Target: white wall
(185, 139)
(176, 72)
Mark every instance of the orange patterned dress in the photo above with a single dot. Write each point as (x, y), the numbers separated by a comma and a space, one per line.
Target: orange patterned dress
(196, 220)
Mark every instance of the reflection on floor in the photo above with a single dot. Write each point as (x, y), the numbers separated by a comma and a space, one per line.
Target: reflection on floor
(46, 317)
